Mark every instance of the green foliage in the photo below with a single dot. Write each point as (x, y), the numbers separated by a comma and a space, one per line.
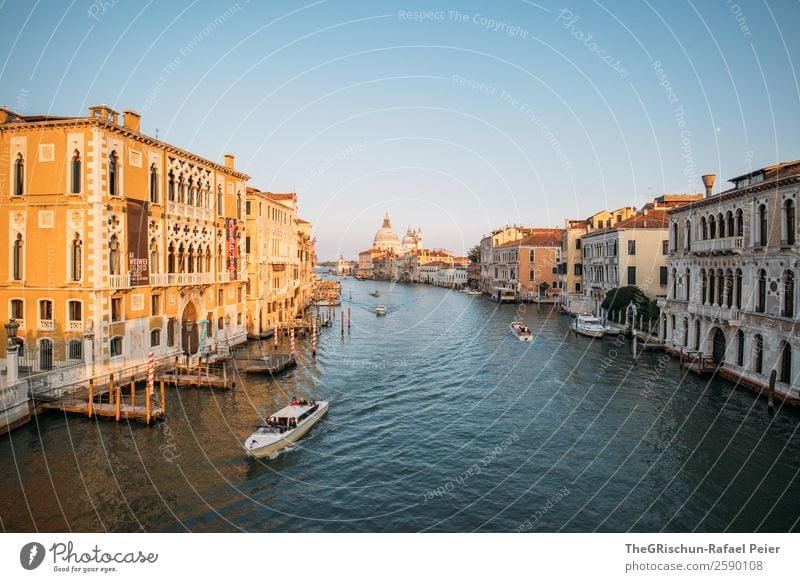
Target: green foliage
(543, 287)
(474, 254)
(619, 299)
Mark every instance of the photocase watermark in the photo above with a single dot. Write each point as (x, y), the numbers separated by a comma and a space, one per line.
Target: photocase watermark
(524, 108)
(568, 20)
(510, 30)
(168, 448)
(100, 8)
(741, 20)
(543, 510)
(95, 560)
(374, 365)
(185, 51)
(31, 555)
(341, 154)
(687, 153)
(474, 469)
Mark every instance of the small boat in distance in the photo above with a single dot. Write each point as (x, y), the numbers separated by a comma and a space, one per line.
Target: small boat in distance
(375, 293)
(284, 427)
(521, 331)
(380, 310)
(588, 325)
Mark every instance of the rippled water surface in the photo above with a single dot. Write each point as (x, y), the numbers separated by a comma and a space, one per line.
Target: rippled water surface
(440, 421)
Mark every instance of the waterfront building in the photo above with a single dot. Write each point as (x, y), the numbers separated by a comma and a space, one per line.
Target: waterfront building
(498, 237)
(473, 275)
(528, 265)
(365, 259)
(632, 252)
(120, 244)
(280, 261)
(570, 268)
(732, 265)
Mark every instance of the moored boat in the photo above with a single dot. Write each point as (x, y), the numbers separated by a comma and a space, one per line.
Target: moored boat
(284, 427)
(380, 310)
(521, 331)
(588, 325)
(375, 293)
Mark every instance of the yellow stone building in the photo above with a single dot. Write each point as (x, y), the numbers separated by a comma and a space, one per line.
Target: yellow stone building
(280, 261)
(118, 244)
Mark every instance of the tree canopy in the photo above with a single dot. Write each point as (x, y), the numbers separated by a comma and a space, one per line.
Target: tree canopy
(474, 254)
(618, 300)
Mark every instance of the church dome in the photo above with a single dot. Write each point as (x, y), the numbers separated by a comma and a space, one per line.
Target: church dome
(410, 240)
(385, 238)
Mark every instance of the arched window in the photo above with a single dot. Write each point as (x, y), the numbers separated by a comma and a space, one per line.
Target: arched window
(729, 220)
(155, 338)
(721, 225)
(703, 228)
(190, 261)
(762, 225)
(688, 235)
(181, 191)
(686, 332)
(737, 287)
(219, 260)
(703, 287)
(687, 284)
(190, 192)
(171, 186)
(674, 283)
(729, 288)
(154, 258)
(672, 328)
(113, 174)
(18, 259)
(761, 291)
(697, 334)
(786, 363)
(740, 348)
(238, 206)
(208, 260)
(113, 255)
(75, 181)
(674, 236)
(712, 227)
(788, 294)
(758, 354)
(19, 176)
(220, 206)
(789, 221)
(711, 286)
(171, 258)
(181, 259)
(720, 287)
(153, 184)
(76, 258)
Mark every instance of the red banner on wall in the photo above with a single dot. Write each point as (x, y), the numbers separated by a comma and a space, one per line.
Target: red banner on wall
(138, 261)
(232, 250)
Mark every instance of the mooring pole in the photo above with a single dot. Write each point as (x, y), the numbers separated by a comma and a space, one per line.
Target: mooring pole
(771, 395)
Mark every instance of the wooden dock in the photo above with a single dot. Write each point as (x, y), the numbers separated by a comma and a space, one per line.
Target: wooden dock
(270, 364)
(202, 378)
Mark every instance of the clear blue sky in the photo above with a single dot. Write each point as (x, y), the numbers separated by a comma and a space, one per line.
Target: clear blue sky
(479, 115)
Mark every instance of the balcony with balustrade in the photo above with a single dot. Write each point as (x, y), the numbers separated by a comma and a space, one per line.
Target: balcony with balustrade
(47, 325)
(185, 211)
(74, 326)
(718, 246)
(119, 281)
(732, 315)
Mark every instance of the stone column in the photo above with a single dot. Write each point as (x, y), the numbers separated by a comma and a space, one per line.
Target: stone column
(12, 363)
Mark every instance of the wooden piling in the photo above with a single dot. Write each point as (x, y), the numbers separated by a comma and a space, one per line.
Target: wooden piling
(163, 398)
(148, 397)
(91, 396)
(342, 323)
(133, 391)
(771, 396)
(119, 397)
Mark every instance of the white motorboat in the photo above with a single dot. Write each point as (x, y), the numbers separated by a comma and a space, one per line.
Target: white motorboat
(375, 293)
(380, 310)
(284, 427)
(588, 325)
(472, 292)
(521, 331)
(613, 329)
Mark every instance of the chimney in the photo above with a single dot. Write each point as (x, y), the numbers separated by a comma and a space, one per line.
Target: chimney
(4, 114)
(229, 161)
(132, 120)
(708, 182)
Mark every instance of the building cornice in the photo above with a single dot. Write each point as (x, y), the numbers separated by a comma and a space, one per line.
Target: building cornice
(740, 193)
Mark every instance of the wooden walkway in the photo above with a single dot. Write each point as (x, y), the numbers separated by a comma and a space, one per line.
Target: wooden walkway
(124, 412)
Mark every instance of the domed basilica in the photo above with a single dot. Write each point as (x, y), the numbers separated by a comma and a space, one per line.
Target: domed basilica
(386, 239)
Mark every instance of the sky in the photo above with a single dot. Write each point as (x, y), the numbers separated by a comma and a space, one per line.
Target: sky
(454, 117)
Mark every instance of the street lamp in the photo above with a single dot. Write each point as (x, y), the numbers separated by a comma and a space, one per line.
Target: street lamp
(11, 331)
(188, 327)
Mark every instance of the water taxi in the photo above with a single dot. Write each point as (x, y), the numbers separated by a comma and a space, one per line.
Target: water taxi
(375, 293)
(521, 331)
(380, 310)
(588, 325)
(284, 427)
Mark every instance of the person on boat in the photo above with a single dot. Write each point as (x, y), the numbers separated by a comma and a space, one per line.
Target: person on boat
(293, 422)
(303, 402)
(293, 402)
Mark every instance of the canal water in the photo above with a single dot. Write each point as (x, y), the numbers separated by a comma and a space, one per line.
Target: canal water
(439, 421)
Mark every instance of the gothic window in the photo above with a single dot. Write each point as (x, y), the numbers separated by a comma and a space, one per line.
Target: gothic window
(18, 259)
(75, 258)
(19, 176)
(75, 178)
(113, 256)
(113, 174)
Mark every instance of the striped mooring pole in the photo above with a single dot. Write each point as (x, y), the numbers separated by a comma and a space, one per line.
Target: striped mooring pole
(151, 368)
(275, 337)
(291, 340)
(313, 337)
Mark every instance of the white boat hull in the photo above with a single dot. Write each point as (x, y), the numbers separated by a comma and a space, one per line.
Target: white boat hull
(260, 446)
